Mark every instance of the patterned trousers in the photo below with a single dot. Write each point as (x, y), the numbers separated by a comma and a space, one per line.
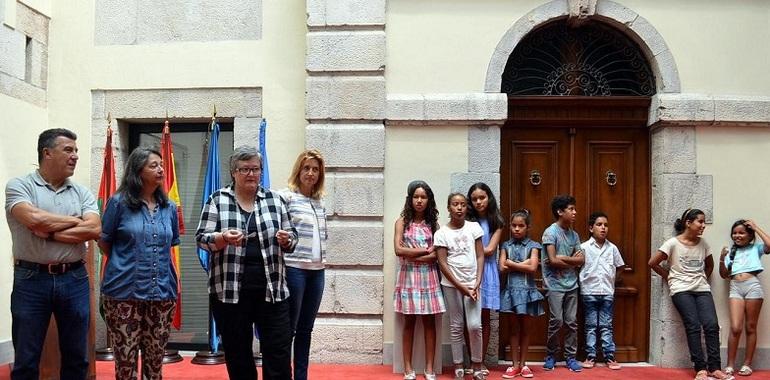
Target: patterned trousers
(135, 325)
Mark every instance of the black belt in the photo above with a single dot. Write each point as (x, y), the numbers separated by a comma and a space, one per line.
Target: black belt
(53, 268)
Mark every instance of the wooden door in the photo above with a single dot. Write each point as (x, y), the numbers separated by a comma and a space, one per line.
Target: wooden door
(605, 165)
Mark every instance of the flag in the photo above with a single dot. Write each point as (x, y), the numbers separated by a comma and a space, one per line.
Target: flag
(170, 184)
(106, 190)
(210, 185)
(265, 179)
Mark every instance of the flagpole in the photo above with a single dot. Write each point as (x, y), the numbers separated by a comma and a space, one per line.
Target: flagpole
(106, 183)
(213, 355)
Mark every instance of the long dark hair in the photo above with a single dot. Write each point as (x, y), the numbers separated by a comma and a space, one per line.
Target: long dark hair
(749, 230)
(131, 184)
(494, 217)
(431, 212)
(688, 216)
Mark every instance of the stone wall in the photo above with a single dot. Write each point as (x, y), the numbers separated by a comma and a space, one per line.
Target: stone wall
(24, 55)
(137, 22)
(345, 109)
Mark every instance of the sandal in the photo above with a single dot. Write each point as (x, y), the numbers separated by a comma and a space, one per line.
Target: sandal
(702, 375)
(729, 370)
(410, 375)
(745, 371)
(719, 375)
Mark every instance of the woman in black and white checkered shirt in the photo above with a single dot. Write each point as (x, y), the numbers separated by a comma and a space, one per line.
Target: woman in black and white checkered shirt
(246, 229)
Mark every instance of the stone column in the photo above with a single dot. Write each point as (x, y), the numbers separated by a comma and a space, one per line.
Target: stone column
(345, 110)
(676, 186)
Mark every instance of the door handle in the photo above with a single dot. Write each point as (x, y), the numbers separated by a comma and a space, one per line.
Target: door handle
(535, 179)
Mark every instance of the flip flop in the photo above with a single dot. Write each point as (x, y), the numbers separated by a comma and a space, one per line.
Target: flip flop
(745, 371)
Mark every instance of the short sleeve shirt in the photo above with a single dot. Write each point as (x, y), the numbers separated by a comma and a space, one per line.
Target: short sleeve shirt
(70, 199)
(747, 259)
(597, 277)
(566, 242)
(461, 251)
(686, 265)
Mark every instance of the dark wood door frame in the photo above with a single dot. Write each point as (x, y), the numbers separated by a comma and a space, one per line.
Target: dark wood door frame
(578, 113)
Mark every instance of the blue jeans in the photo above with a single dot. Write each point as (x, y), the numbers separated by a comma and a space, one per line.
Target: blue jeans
(598, 315)
(34, 298)
(306, 288)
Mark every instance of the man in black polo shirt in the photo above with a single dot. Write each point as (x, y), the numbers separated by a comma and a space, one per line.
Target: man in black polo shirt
(50, 218)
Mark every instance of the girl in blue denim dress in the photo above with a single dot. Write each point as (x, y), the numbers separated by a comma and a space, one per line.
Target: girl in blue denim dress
(520, 300)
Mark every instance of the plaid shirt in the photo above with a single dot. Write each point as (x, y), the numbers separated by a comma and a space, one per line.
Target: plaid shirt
(220, 213)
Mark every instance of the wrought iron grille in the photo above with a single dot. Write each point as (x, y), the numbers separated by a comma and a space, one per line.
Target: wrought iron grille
(590, 60)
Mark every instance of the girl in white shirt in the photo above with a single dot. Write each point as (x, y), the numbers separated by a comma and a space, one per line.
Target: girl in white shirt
(689, 266)
(461, 260)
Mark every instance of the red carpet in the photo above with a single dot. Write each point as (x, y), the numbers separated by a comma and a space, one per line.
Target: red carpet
(186, 371)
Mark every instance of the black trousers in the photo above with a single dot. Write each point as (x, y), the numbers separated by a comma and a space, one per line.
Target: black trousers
(235, 323)
(699, 314)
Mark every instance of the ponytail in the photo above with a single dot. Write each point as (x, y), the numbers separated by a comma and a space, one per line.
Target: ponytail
(688, 216)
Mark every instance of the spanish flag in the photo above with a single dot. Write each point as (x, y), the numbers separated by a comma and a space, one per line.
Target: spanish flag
(170, 182)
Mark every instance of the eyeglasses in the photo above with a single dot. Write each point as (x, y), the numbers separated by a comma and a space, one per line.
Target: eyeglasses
(245, 171)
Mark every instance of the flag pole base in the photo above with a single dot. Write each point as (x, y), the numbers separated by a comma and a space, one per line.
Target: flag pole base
(105, 354)
(171, 356)
(208, 358)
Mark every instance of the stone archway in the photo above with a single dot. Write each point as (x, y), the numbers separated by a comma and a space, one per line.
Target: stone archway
(624, 19)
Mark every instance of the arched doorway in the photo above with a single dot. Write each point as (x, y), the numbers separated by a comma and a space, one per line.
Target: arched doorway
(577, 123)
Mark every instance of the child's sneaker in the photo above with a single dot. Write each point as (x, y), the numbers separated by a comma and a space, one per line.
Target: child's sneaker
(459, 374)
(550, 362)
(590, 362)
(527, 373)
(410, 376)
(573, 365)
(512, 372)
(430, 376)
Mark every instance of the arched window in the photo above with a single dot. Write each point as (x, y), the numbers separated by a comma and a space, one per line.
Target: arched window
(592, 59)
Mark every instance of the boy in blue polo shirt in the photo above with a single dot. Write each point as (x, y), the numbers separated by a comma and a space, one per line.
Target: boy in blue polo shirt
(561, 257)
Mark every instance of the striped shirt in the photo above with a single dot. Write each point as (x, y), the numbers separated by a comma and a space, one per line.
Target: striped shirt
(307, 214)
(221, 212)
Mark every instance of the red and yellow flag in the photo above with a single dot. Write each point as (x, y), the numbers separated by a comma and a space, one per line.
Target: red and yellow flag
(170, 182)
(106, 190)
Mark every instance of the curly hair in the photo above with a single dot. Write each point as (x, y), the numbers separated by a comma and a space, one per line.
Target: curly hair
(431, 212)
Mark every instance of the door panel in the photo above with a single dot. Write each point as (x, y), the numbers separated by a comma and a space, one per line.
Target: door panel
(578, 161)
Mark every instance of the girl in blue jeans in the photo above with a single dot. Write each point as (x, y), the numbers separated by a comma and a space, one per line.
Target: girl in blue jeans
(690, 265)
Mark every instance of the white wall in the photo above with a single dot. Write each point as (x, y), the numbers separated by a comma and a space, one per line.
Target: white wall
(736, 158)
(20, 125)
(446, 45)
(431, 154)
